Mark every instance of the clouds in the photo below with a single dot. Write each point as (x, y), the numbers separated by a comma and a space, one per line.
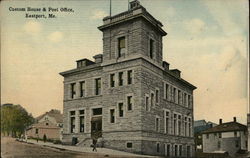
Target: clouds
(35, 29)
(32, 27)
(195, 26)
(98, 14)
(218, 67)
(55, 36)
(230, 15)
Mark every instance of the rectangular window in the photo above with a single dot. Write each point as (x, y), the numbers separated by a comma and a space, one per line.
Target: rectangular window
(219, 135)
(151, 49)
(185, 99)
(174, 95)
(147, 103)
(81, 123)
(185, 126)
(175, 150)
(167, 115)
(235, 133)
(180, 150)
(81, 118)
(189, 127)
(179, 97)
(120, 78)
(189, 101)
(73, 92)
(130, 80)
(166, 91)
(72, 113)
(36, 131)
(82, 89)
(179, 124)
(97, 111)
(207, 136)
(72, 121)
(112, 115)
(129, 145)
(157, 96)
(188, 151)
(98, 86)
(129, 102)
(158, 147)
(112, 80)
(121, 46)
(157, 124)
(152, 99)
(168, 150)
(175, 123)
(120, 106)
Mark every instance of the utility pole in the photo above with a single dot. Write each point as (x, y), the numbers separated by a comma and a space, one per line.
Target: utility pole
(110, 1)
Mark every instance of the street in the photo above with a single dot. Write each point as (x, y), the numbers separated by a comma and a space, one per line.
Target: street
(11, 148)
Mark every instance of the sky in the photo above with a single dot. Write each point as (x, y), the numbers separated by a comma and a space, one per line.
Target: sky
(207, 40)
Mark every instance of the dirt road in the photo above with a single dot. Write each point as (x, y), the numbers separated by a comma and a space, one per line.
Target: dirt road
(11, 148)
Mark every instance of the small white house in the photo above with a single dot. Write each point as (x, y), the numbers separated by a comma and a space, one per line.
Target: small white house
(228, 137)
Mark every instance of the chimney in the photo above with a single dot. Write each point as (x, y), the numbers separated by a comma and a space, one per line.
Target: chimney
(165, 65)
(84, 62)
(220, 121)
(98, 58)
(134, 4)
(234, 119)
(176, 72)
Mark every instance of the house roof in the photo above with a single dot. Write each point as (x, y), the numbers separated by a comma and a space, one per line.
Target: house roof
(199, 123)
(53, 113)
(43, 125)
(227, 127)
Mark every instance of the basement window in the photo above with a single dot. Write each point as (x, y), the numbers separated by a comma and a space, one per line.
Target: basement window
(129, 145)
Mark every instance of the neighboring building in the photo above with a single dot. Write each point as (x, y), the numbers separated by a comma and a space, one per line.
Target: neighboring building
(248, 127)
(54, 116)
(230, 137)
(49, 124)
(129, 97)
(199, 127)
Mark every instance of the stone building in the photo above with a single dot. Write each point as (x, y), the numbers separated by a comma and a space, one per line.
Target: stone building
(228, 137)
(128, 97)
(49, 124)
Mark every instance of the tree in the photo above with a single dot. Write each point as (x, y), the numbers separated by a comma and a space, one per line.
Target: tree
(14, 119)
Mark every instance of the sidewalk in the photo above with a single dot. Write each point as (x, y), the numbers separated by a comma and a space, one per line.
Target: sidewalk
(104, 151)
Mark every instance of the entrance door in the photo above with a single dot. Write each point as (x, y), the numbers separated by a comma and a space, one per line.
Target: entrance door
(96, 127)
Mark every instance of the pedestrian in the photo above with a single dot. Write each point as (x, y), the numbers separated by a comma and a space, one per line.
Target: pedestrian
(44, 138)
(94, 144)
(26, 137)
